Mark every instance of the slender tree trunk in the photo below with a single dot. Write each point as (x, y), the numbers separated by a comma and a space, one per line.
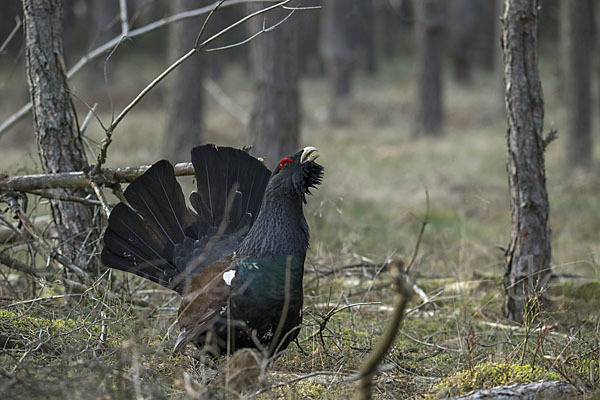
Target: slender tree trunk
(577, 43)
(488, 24)
(338, 53)
(368, 32)
(429, 26)
(527, 268)
(275, 121)
(185, 102)
(498, 58)
(461, 32)
(55, 123)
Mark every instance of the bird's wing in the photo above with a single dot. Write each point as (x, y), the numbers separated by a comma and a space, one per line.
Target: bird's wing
(204, 299)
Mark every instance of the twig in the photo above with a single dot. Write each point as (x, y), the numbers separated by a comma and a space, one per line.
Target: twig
(226, 101)
(248, 39)
(52, 253)
(421, 294)
(38, 299)
(421, 232)
(522, 329)
(197, 47)
(101, 198)
(369, 367)
(17, 265)
(11, 35)
(552, 136)
(238, 23)
(109, 131)
(298, 379)
(123, 17)
(88, 118)
(63, 197)
(92, 55)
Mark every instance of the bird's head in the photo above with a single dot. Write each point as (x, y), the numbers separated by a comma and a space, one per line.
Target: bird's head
(296, 174)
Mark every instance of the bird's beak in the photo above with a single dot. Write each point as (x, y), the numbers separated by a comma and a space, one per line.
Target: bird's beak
(181, 341)
(309, 154)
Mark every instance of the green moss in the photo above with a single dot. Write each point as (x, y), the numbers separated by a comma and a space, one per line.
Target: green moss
(25, 323)
(489, 375)
(308, 389)
(26, 328)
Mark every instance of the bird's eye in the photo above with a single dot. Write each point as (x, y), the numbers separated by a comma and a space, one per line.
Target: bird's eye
(286, 162)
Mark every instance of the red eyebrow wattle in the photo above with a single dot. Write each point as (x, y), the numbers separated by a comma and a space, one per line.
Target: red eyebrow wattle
(284, 161)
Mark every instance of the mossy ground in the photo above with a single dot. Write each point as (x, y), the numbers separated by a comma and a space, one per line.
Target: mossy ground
(369, 208)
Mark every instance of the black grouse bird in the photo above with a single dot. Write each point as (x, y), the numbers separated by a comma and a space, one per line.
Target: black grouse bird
(237, 261)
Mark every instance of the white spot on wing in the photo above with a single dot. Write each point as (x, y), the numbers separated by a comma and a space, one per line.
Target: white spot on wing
(228, 276)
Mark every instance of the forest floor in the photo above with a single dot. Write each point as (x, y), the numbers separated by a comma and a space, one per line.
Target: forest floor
(368, 210)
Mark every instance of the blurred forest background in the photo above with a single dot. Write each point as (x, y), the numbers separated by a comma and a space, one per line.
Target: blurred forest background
(399, 97)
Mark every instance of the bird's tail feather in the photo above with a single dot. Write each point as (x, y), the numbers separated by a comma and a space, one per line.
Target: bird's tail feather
(141, 240)
(149, 238)
(230, 184)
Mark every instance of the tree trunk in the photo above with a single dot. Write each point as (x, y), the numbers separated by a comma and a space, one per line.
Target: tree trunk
(275, 121)
(185, 102)
(498, 58)
(55, 124)
(337, 53)
(527, 268)
(489, 42)
(577, 43)
(461, 32)
(429, 31)
(368, 21)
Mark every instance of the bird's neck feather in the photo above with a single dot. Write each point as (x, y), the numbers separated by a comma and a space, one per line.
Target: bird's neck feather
(279, 230)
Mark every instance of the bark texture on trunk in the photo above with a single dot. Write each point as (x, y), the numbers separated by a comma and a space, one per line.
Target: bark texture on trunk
(576, 17)
(527, 268)
(55, 123)
(275, 120)
(429, 32)
(186, 94)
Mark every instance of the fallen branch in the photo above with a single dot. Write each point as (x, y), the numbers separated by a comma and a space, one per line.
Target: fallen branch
(17, 265)
(521, 329)
(529, 391)
(108, 177)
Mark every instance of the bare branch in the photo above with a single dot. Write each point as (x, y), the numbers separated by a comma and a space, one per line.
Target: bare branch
(17, 265)
(12, 34)
(197, 47)
(109, 176)
(369, 367)
(101, 198)
(63, 196)
(92, 55)
(51, 252)
(228, 103)
(239, 22)
(123, 17)
(424, 223)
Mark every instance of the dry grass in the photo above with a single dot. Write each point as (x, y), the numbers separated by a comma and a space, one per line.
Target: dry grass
(376, 176)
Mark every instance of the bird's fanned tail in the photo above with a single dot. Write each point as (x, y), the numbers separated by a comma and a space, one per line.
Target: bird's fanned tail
(142, 240)
(231, 184)
(158, 237)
